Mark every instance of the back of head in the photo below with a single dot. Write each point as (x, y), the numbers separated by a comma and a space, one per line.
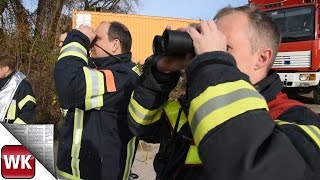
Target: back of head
(7, 60)
(119, 31)
(263, 33)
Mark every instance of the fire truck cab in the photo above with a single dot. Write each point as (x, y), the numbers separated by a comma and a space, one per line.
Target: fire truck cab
(298, 59)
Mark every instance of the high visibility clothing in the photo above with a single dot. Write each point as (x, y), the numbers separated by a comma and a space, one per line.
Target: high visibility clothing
(225, 127)
(17, 99)
(95, 141)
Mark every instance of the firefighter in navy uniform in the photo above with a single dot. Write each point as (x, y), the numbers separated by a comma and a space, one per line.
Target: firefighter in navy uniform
(223, 128)
(17, 103)
(95, 141)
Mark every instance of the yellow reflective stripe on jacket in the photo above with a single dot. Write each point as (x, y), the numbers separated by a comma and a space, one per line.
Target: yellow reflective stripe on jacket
(74, 49)
(76, 144)
(312, 131)
(25, 100)
(172, 111)
(19, 121)
(130, 155)
(217, 104)
(142, 115)
(193, 156)
(65, 176)
(94, 88)
(11, 113)
(137, 70)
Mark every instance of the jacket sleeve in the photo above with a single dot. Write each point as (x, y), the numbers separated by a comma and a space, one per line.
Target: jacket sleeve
(26, 104)
(235, 135)
(146, 118)
(301, 115)
(77, 84)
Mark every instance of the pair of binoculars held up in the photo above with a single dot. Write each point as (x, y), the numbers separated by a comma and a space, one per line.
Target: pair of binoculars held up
(173, 42)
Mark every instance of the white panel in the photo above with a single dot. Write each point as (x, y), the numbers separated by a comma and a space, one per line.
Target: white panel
(84, 19)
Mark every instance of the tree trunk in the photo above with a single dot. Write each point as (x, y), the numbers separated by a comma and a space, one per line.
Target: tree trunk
(3, 5)
(58, 4)
(22, 29)
(86, 5)
(41, 16)
(23, 25)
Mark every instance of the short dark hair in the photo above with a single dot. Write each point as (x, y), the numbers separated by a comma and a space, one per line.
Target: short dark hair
(7, 60)
(119, 31)
(264, 31)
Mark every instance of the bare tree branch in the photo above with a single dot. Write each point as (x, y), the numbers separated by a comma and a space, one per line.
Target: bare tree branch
(114, 4)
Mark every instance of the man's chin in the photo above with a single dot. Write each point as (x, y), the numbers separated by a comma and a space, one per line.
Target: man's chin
(96, 58)
(93, 56)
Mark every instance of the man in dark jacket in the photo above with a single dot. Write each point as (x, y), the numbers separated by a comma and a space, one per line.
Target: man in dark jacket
(222, 128)
(95, 141)
(17, 102)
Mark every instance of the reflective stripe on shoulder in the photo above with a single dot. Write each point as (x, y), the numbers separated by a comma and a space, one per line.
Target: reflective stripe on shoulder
(172, 111)
(217, 104)
(94, 88)
(25, 100)
(312, 131)
(19, 121)
(110, 83)
(142, 115)
(76, 144)
(74, 49)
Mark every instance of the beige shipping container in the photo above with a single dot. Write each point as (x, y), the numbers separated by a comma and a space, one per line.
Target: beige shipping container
(142, 28)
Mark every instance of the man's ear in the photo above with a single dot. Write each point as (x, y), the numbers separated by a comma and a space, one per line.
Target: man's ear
(6, 69)
(264, 58)
(116, 46)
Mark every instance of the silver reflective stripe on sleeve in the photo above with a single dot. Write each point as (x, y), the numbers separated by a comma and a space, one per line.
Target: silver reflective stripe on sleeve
(94, 88)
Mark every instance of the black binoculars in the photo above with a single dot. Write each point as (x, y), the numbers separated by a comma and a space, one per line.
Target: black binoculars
(173, 42)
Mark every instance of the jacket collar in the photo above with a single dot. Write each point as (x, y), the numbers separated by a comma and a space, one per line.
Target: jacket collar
(104, 62)
(270, 86)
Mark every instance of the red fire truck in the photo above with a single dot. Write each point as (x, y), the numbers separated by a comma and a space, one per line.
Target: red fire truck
(298, 59)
